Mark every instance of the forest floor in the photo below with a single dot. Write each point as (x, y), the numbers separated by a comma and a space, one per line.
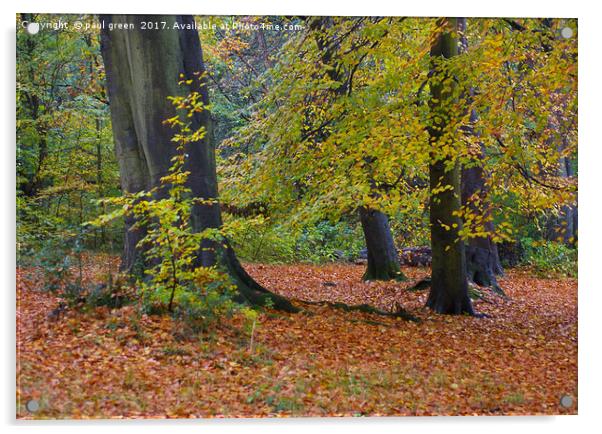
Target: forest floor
(322, 362)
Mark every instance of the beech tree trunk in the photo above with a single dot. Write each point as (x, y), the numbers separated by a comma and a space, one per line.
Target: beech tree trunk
(482, 259)
(143, 68)
(449, 285)
(383, 259)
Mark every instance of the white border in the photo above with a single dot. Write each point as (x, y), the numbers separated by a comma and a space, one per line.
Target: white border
(590, 224)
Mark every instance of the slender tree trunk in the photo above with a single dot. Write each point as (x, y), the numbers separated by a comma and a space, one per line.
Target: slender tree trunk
(449, 285)
(563, 227)
(33, 182)
(143, 69)
(99, 177)
(383, 259)
(570, 212)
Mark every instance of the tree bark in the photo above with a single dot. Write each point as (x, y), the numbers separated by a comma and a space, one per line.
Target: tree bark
(383, 259)
(143, 68)
(133, 170)
(482, 259)
(449, 285)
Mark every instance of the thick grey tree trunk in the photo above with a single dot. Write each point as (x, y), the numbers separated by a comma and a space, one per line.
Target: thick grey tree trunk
(449, 285)
(143, 68)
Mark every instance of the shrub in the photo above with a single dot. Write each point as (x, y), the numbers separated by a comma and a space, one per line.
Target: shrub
(196, 295)
(549, 258)
(260, 241)
(113, 293)
(328, 241)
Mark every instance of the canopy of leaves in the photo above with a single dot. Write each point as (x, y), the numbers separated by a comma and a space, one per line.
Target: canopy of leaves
(345, 121)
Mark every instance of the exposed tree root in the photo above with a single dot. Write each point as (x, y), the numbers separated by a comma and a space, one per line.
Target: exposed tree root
(249, 290)
(421, 285)
(366, 308)
(474, 292)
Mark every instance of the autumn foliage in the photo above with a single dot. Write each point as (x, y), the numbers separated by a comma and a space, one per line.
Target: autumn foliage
(266, 191)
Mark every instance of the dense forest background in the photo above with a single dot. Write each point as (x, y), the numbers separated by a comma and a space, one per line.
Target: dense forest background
(259, 82)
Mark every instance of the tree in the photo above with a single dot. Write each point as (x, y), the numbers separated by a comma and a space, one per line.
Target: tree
(383, 258)
(32, 107)
(482, 259)
(143, 69)
(526, 99)
(305, 138)
(449, 285)
(62, 120)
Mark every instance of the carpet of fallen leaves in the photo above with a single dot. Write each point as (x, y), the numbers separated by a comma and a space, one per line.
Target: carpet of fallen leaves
(322, 362)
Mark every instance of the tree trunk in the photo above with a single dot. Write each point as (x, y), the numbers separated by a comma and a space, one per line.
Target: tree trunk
(563, 227)
(482, 259)
(449, 285)
(133, 171)
(31, 183)
(383, 259)
(143, 68)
